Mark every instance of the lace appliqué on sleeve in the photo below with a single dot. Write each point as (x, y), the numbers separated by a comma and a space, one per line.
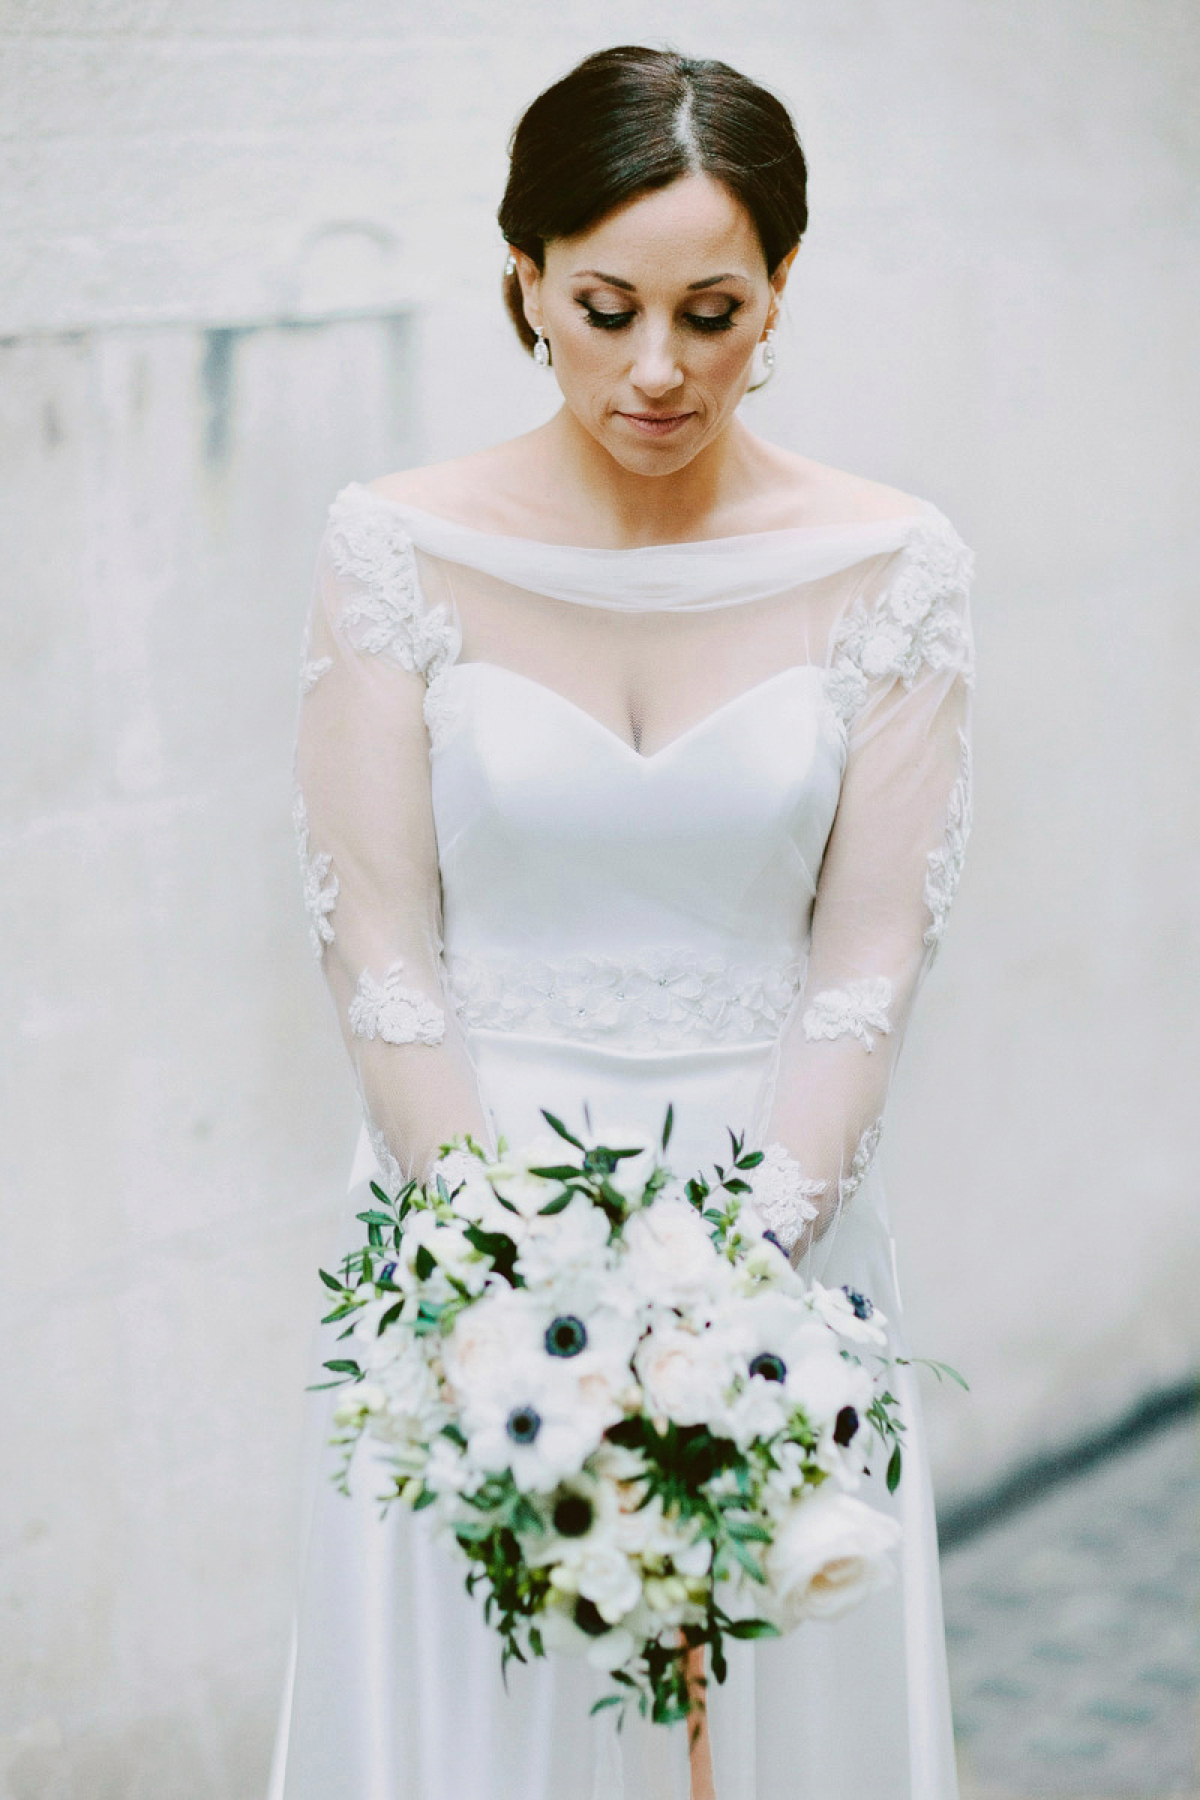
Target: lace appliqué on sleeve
(320, 883)
(916, 623)
(389, 1010)
(945, 865)
(860, 1162)
(311, 671)
(389, 1168)
(784, 1197)
(388, 615)
(856, 1010)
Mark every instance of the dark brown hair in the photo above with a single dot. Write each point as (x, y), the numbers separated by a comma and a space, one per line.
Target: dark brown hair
(630, 119)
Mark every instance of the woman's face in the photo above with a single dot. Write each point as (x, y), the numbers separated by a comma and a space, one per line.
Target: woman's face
(652, 317)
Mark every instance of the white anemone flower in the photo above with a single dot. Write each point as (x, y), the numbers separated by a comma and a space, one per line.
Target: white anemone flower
(762, 1261)
(530, 1419)
(849, 1313)
(604, 1650)
(831, 1387)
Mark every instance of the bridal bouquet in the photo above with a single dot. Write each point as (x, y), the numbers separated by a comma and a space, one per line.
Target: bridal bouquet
(639, 1425)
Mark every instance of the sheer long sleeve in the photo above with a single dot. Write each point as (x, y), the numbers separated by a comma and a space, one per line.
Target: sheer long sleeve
(373, 654)
(900, 673)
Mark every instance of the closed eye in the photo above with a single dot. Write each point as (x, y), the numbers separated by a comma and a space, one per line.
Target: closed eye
(615, 321)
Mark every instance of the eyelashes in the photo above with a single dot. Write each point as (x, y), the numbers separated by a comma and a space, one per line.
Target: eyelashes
(702, 322)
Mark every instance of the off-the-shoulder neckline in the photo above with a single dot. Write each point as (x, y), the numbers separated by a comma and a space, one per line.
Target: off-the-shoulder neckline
(928, 514)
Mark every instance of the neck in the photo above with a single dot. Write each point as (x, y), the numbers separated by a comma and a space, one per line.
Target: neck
(628, 509)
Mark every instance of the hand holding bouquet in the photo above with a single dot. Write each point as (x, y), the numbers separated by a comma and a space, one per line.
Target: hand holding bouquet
(640, 1426)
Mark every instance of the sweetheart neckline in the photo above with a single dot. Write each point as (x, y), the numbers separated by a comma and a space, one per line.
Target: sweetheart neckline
(645, 757)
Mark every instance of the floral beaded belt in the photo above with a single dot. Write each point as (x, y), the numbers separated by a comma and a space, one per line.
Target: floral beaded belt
(657, 999)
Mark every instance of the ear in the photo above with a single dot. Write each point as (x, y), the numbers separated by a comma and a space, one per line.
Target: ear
(779, 282)
(530, 278)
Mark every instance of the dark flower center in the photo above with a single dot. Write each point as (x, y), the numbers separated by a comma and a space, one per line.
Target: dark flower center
(769, 1366)
(566, 1335)
(589, 1619)
(572, 1516)
(524, 1423)
(845, 1425)
(859, 1303)
(387, 1271)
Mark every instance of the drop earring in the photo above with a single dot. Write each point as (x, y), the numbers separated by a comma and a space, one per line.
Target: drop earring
(541, 350)
(510, 265)
(764, 360)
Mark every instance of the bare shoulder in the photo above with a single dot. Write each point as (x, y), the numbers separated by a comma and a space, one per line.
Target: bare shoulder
(816, 493)
(483, 490)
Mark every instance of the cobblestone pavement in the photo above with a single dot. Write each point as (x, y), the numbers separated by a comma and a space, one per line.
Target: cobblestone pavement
(1074, 1635)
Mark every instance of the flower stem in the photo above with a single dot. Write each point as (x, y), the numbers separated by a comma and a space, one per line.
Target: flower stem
(699, 1747)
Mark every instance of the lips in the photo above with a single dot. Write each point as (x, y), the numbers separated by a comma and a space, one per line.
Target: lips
(655, 424)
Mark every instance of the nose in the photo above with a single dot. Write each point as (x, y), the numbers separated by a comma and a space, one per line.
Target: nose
(655, 370)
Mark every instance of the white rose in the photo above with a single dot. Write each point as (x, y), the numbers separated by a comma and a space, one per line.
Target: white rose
(830, 1551)
(568, 1248)
(670, 1257)
(483, 1336)
(608, 1579)
(686, 1374)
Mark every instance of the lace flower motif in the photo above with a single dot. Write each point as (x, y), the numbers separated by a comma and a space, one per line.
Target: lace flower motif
(855, 1010)
(915, 623)
(659, 998)
(311, 671)
(389, 1168)
(387, 614)
(784, 1197)
(944, 867)
(320, 882)
(860, 1162)
(398, 1014)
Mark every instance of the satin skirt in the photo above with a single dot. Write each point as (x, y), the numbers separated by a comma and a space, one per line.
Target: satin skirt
(393, 1690)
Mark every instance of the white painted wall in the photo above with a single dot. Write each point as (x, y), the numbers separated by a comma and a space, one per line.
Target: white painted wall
(248, 251)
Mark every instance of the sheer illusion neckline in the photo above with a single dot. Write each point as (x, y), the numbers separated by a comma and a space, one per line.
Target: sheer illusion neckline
(733, 540)
(697, 575)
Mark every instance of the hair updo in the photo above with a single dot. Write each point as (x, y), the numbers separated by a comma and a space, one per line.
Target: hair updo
(629, 120)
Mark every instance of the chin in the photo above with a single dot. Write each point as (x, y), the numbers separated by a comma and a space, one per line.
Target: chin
(651, 459)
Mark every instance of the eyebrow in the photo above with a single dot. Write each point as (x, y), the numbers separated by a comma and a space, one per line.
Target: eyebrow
(629, 288)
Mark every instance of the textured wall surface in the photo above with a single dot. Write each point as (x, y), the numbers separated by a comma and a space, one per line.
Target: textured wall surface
(248, 252)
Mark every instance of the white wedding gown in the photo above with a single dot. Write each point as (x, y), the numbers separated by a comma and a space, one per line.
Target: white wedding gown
(618, 828)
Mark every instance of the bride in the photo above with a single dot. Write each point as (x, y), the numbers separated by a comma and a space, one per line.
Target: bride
(632, 768)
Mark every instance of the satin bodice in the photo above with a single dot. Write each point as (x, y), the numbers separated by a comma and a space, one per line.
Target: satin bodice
(557, 838)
